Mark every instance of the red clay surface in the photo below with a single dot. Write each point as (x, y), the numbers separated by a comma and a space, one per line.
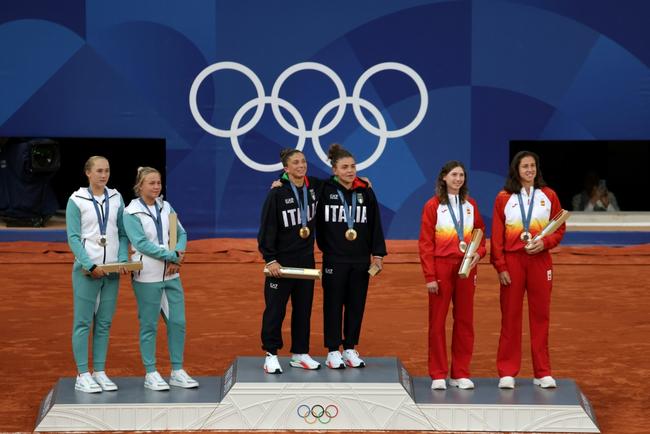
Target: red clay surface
(600, 326)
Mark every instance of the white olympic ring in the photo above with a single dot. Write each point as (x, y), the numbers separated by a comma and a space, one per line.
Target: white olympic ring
(299, 130)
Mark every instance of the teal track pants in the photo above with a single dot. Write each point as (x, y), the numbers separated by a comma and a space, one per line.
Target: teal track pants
(85, 291)
(149, 296)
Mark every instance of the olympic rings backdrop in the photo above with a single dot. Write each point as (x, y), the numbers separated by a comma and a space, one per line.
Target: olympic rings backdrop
(405, 85)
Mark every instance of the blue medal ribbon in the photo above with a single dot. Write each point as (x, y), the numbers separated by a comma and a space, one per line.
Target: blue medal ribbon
(526, 217)
(101, 221)
(349, 216)
(459, 225)
(157, 220)
(303, 207)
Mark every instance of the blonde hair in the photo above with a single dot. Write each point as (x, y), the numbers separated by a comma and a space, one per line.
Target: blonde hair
(139, 178)
(91, 162)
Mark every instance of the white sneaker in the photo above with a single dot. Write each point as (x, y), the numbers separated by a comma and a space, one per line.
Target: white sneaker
(547, 382)
(85, 383)
(104, 382)
(439, 384)
(352, 359)
(154, 381)
(272, 364)
(180, 378)
(304, 361)
(506, 382)
(335, 360)
(461, 383)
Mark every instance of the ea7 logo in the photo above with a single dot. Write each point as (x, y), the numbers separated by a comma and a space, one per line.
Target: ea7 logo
(288, 200)
(273, 285)
(334, 196)
(329, 271)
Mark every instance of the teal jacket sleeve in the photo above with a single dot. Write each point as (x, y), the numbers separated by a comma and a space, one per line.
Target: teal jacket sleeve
(181, 242)
(123, 252)
(73, 231)
(136, 235)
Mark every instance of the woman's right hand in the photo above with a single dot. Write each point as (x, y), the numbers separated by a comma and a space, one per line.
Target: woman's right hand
(276, 184)
(432, 287)
(504, 278)
(274, 269)
(98, 273)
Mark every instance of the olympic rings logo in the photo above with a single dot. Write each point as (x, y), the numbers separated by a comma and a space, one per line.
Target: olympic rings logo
(299, 129)
(318, 413)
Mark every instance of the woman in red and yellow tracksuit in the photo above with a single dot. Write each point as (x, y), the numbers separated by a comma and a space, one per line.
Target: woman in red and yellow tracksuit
(446, 230)
(521, 210)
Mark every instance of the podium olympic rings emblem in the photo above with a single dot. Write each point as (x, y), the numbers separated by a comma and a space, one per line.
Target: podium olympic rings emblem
(299, 129)
(318, 413)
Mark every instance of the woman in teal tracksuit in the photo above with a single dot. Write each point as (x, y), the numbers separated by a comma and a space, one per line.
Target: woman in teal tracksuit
(157, 286)
(96, 236)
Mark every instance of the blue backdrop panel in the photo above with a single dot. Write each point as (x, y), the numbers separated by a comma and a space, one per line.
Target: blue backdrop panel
(475, 75)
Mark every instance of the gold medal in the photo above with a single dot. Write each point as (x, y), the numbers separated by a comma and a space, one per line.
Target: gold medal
(462, 246)
(304, 232)
(350, 235)
(525, 236)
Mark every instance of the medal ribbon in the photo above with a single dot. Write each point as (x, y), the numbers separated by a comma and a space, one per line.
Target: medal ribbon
(157, 220)
(525, 218)
(102, 222)
(303, 207)
(459, 225)
(349, 217)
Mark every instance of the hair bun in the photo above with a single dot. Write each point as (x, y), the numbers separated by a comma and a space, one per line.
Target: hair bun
(284, 152)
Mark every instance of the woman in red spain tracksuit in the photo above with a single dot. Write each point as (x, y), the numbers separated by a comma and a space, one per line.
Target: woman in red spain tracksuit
(349, 233)
(521, 210)
(448, 219)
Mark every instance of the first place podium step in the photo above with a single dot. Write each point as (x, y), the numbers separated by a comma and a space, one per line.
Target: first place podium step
(382, 396)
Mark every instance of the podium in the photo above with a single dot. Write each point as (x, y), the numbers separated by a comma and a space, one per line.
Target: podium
(382, 396)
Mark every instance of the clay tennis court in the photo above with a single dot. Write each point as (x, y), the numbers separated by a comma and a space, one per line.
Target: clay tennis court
(600, 326)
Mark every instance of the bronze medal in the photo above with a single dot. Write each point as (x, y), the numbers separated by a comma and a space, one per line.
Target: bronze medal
(462, 246)
(304, 232)
(102, 241)
(350, 235)
(525, 236)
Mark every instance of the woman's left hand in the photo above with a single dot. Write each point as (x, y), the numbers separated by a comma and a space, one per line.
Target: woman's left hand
(366, 180)
(378, 261)
(172, 269)
(535, 247)
(123, 270)
(475, 258)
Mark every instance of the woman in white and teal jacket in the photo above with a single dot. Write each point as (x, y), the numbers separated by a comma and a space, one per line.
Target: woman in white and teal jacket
(96, 236)
(157, 286)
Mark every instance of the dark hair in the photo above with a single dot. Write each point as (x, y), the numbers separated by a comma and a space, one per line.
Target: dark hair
(513, 184)
(336, 152)
(441, 185)
(286, 153)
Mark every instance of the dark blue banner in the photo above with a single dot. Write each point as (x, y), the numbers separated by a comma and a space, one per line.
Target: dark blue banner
(404, 85)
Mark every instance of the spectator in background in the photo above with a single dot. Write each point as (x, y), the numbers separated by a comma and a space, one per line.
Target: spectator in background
(595, 196)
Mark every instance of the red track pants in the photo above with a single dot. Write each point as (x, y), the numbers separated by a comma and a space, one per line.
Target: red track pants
(461, 291)
(532, 274)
